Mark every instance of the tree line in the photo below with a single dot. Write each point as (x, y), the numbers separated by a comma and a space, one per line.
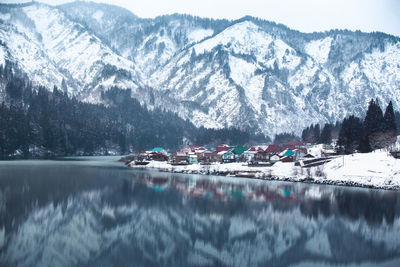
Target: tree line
(36, 122)
(314, 134)
(377, 130)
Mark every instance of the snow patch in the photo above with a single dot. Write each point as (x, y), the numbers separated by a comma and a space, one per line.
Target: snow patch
(98, 15)
(242, 72)
(201, 119)
(319, 49)
(199, 34)
(243, 37)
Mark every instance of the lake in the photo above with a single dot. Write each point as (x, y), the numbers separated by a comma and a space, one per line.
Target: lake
(94, 211)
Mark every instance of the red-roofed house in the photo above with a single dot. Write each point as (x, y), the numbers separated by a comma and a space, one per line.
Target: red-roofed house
(261, 156)
(273, 149)
(221, 148)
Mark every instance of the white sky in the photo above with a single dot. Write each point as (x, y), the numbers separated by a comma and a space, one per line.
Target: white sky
(302, 15)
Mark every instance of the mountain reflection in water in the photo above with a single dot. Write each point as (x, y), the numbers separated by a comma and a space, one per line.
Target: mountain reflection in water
(69, 214)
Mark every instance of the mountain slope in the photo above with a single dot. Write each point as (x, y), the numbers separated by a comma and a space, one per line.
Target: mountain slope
(249, 73)
(50, 48)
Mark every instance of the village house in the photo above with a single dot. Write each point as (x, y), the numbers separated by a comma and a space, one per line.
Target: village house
(287, 158)
(274, 158)
(193, 159)
(249, 154)
(287, 155)
(221, 148)
(273, 149)
(159, 150)
(157, 156)
(238, 151)
(179, 158)
(227, 157)
(212, 157)
(261, 156)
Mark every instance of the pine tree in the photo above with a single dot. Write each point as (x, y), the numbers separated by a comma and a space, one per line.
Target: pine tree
(326, 134)
(340, 144)
(373, 121)
(349, 135)
(389, 123)
(317, 134)
(364, 145)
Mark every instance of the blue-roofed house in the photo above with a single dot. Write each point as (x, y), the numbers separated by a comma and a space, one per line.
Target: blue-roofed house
(159, 150)
(287, 153)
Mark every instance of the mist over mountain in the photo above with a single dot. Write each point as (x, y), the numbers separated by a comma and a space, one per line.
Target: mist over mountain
(250, 73)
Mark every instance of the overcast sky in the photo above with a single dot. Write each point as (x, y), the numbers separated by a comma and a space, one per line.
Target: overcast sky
(302, 15)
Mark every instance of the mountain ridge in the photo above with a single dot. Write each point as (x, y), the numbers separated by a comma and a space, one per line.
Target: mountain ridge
(248, 73)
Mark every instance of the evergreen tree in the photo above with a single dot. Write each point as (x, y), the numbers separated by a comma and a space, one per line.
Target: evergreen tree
(373, 121)
(349, 135)
(364, 145)
(326, 134)
(317, 134)
(304, 134)
(389, 123)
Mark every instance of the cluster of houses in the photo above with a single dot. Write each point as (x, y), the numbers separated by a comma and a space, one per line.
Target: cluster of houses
(255, 155)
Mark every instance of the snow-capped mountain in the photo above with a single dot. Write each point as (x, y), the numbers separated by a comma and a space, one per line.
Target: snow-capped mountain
(51, 48)
(249, 73)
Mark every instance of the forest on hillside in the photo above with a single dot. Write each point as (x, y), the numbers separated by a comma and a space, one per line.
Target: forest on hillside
(36, 122)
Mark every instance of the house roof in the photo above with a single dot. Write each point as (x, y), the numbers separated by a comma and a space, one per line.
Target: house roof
(197, 148)
(252, 149)
(210, 154)
(239, 149)
(157, 154)
(273, 149)
(288, 146)
(158, 149)
(288, 152)
(287, 158)
(221, 148)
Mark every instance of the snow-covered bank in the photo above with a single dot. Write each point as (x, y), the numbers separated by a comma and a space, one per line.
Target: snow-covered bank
(374, 170)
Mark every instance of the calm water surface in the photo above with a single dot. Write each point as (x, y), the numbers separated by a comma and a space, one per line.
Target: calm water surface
(96, 212)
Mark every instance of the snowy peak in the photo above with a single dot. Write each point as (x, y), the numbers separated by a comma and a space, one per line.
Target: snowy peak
(52, 48)
(249, 73)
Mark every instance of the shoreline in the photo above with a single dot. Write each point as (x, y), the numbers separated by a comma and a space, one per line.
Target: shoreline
(310, 180)
(385, 172)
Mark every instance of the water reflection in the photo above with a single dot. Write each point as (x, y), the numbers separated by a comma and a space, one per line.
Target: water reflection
(70, 214)
(373, 206)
